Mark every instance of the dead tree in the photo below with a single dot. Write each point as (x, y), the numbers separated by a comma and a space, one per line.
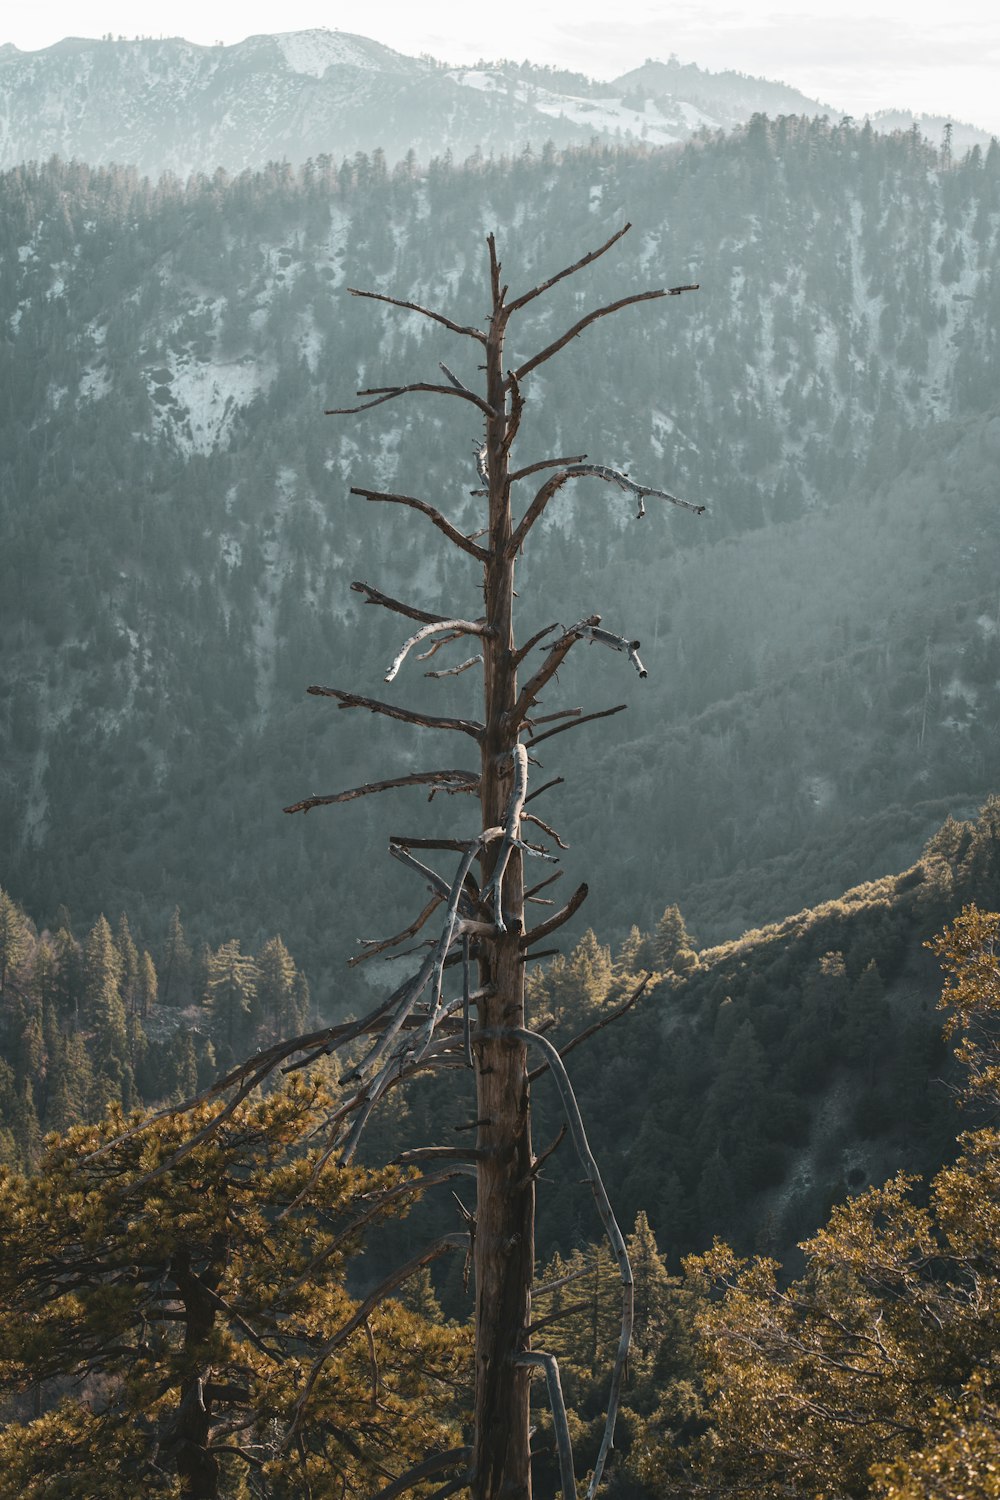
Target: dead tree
(484, 914)
(478, 909)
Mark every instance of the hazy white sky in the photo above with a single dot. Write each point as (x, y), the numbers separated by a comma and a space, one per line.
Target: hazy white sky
(942, 56)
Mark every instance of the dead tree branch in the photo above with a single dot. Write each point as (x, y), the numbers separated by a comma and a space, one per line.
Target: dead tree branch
(528, 817)
(592, 317)
(546, 463)
(616, 643)
(617, 1240)
(425, 312)
(445, 781)
(617, 477)
(604, 713)
(391, 711)
(532, 894)
(585, 260)
(431, 512)
(556, 780)
(555, 656)
(396, 605)
(560, 1421)
(383, 393)
(590, 1031)
(473, 661)
(450, 374)
(455, 627)
(434, 1464)
(374, 946)
(558, 919)
(530, 645)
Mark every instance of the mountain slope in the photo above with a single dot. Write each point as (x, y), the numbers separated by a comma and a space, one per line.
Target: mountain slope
(177, 540)
(169, 105)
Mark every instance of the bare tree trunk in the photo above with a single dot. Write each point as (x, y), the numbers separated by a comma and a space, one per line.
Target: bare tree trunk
(504, 1248)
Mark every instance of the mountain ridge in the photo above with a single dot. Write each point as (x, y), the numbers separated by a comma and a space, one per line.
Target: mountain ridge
(171, 105)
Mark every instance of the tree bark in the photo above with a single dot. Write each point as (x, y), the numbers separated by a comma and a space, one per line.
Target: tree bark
(506, 1196)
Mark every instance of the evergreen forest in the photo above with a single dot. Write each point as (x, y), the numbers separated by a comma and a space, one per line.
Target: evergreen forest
(781, 1003)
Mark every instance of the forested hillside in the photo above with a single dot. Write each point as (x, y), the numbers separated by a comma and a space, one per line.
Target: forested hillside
(177, 542)
(755, 1083)
(753, 1086)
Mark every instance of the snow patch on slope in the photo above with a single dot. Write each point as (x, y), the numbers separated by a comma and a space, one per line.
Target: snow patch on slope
(312, 52)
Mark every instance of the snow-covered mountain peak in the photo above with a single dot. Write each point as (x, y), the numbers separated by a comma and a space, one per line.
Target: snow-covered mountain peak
(312, 52)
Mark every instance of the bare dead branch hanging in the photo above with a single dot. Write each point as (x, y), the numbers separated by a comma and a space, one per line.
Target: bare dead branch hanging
(456, 627)
(616, 1239)
(609, 475)
(560, 1421)
(616, 643)
(585, 1035)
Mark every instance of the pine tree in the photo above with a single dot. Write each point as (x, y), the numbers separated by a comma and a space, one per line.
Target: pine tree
(129, 955)
(15, 939)
(231, 996)
(212, 1301)
(105, 1013)
(176, 966)
(278, 997)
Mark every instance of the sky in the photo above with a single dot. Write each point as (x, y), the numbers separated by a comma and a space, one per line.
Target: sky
(859, 56)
